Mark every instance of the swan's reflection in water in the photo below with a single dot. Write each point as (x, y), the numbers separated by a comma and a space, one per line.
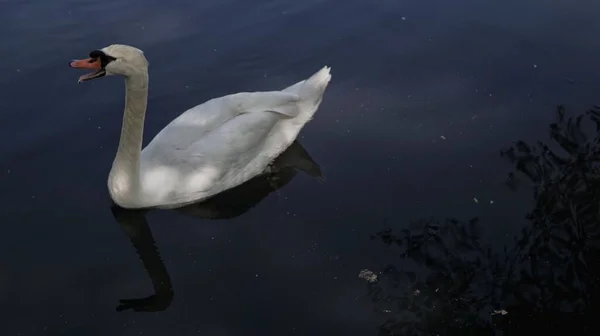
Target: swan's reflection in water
(228, 204)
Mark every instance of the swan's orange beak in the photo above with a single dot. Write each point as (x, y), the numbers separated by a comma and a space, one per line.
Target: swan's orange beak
(89, 63)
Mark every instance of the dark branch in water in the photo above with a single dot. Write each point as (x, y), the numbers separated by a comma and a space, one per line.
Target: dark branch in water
(548, 279)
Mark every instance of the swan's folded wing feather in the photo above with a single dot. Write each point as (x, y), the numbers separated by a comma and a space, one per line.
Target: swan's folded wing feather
(228, 155)
(198, 121)
(223, 158)
(284, 103)
(208, 157)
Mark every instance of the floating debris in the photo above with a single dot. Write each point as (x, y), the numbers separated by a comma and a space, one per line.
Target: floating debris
(367, 275)
(475, 199)
(443, 137)
(499, 312)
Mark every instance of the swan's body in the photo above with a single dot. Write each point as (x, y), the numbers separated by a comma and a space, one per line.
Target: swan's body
(209, 148)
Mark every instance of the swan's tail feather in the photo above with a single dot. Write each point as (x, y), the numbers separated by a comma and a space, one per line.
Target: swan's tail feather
(315, 86)
(310, 93)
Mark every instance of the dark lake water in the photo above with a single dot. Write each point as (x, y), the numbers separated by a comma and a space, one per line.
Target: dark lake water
(424, 96)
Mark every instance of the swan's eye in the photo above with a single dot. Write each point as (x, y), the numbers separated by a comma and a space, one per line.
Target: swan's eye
(104, 58)
(97, 54)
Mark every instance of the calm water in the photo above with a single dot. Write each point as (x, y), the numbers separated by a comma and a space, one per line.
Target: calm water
(424, 96)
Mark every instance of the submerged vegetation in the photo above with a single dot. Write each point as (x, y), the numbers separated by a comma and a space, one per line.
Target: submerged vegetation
(452, 283)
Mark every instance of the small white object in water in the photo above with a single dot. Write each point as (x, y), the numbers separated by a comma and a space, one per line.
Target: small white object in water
(499, 312)
(367, 275)
(443, 137)
(491, 201)
(475, 199)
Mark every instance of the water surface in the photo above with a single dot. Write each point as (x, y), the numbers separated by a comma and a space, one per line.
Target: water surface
(423, 97)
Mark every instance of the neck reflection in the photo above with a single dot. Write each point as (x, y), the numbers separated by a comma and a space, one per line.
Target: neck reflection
(226, 205)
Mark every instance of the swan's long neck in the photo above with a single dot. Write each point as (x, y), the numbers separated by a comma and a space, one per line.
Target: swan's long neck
(124, 179)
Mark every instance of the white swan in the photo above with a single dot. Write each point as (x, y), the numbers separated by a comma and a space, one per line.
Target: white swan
(209, 148)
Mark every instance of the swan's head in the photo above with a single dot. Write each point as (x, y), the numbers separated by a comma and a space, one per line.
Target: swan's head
(116, 59)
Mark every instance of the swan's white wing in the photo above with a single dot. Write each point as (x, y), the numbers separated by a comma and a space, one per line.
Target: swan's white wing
(194, 123)
(274, 101)
(214, 146)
